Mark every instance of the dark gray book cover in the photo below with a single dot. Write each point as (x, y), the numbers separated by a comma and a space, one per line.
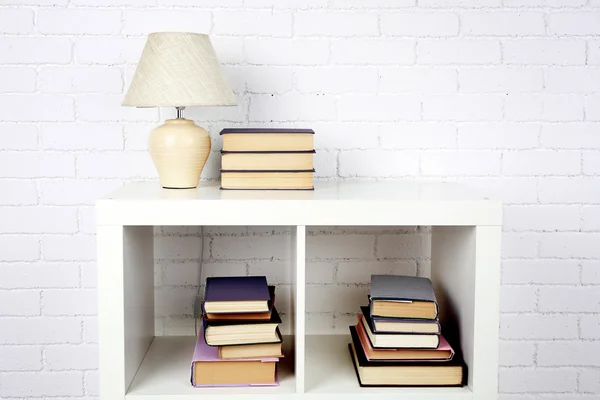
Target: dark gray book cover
(401, 288)
(267, 130)
(237, 288)
(226, 152)
(266, 171)
(372, 320)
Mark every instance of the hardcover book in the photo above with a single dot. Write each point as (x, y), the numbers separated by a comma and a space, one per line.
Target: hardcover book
(403, 297)
(226, 333)
(265, 316)
(267, 180)
(406, 373)
(444, 352)
(260, 350)
(237, 294)
(267, 139)
(390, 340)
(402, 325)
(267, 160)
(209, 370)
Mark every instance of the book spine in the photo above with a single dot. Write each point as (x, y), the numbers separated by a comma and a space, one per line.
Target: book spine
(267, 170)
(226, 152)
(206, 327)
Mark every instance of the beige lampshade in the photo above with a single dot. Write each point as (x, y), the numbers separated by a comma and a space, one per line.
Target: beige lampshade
(178, 69)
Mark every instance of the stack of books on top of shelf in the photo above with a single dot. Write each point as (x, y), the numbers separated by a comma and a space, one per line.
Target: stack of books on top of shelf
(239, 343)
(398, 339)
(268, 159)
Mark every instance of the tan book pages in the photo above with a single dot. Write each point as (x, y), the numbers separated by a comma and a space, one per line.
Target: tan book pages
(251, 351)
(412, 309)
(267, 161)
(267, 180)
(236, 306)
(434, 375)
(267, 142)
(234, 372)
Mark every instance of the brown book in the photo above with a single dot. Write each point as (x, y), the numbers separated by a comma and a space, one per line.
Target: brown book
(267, 161)
(263, 350)
(209, 370)
(280, 180)
(267, 139)
(239, 317)
(264, 316)
(234, 373)
(406, 373)
(444, 351)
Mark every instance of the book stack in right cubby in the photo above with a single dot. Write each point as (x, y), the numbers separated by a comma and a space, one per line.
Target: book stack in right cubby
(398, 339)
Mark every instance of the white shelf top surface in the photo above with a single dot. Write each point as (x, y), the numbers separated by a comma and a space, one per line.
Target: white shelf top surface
(331, 203)
(335, 190)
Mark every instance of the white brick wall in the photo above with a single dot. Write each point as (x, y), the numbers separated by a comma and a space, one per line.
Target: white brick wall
(500, 95)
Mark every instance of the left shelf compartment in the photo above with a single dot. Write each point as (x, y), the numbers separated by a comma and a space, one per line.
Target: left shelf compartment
(136, 364)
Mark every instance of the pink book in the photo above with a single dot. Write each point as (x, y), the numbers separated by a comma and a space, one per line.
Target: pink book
(204, 353)
(444, 351)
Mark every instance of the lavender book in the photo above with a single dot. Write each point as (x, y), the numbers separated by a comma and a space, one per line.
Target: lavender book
(237, 294)
(209, 370)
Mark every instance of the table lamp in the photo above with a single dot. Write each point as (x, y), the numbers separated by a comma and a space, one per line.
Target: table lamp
(179, 70)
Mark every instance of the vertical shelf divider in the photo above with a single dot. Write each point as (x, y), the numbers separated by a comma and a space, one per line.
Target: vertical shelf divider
(299, 302)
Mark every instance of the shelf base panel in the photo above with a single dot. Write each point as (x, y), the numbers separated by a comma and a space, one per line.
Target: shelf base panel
(165, 375)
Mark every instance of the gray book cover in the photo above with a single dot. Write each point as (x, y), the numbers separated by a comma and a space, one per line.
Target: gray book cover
(401, 288)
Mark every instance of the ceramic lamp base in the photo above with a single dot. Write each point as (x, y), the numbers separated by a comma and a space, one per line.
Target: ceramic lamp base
(179, 149)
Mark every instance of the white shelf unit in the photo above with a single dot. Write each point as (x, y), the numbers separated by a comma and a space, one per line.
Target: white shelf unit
(465, 270)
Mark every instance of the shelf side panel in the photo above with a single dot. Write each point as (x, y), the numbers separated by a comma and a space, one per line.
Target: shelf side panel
(487, 310)
(465, 270)
(111, 315)
(299, 301)
(125, 303)
(139, 295)
(453, 277)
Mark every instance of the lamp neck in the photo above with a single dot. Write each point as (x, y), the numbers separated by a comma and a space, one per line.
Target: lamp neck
(180, 112)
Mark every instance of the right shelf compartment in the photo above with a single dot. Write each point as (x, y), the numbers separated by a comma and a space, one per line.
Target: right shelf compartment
(329, 370)
(465, 271)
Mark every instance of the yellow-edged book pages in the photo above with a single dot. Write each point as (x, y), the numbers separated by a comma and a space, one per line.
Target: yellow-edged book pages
(234, 373)
(422, 373)
(251, 351)
(409, 309)
(267, 161)
(267, 139)
(288, 180)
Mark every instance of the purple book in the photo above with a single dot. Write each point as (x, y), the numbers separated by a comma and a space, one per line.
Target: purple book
(226, 294)
(205, 353)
